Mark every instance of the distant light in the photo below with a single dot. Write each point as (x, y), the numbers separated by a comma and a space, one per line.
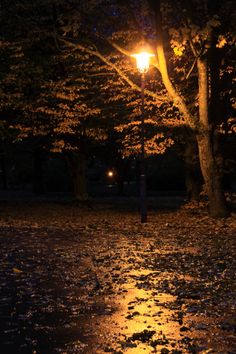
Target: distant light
(110, 173)
(143, 59)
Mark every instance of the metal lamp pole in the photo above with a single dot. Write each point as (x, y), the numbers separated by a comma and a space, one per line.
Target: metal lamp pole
(143, 65)
(143, 188)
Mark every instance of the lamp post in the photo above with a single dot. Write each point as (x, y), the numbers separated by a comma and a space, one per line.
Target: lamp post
(143, 66)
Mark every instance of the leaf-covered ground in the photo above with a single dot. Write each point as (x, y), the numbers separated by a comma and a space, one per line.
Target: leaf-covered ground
(75, 280)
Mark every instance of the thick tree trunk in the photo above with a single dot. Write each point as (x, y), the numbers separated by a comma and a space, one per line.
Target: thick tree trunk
(174, 94)
(210, 169)
(77, 168)
(193, 179)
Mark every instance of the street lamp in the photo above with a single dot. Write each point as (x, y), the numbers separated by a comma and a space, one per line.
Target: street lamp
(142, 60)
(110, 173)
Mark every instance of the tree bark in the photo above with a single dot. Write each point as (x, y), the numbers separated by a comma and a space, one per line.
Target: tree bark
(77, 167)
(193, 178)
(209, 167)
(176, 97)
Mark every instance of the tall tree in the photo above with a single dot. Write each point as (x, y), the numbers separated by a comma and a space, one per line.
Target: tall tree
(194, 29)
(200, 32)
(54, 91)
(190, 34)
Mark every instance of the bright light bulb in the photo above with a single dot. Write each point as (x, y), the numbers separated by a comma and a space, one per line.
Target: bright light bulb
(143, 61)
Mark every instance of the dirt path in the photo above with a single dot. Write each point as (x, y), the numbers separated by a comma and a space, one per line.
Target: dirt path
(98, 281)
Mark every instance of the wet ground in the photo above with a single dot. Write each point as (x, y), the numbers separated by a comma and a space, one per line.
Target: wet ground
(76, 280)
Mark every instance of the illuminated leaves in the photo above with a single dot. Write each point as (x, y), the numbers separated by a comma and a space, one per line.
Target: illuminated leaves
(178, 48)
(70, 93)
(155, 141)
(221, 41)
(193, 31)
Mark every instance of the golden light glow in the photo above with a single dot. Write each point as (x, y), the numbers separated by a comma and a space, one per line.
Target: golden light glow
(138, 310)
(143, 59)
(110, 173)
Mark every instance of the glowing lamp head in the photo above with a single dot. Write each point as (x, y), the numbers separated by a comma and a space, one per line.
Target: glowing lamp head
(110, 173)
(143, 59)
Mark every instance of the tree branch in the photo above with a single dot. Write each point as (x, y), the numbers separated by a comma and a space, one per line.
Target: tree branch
(97, 54)
(191, 69)
(194, 50)
(117, 47)
(127, 53)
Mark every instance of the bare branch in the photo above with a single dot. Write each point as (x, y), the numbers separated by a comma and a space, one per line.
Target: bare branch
(101, 74)
(191, 69)
(194, 50)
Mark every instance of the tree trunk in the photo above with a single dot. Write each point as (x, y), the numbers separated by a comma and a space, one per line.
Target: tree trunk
(193, 179)
(176, 97)
(210, 169)
(77, 168)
